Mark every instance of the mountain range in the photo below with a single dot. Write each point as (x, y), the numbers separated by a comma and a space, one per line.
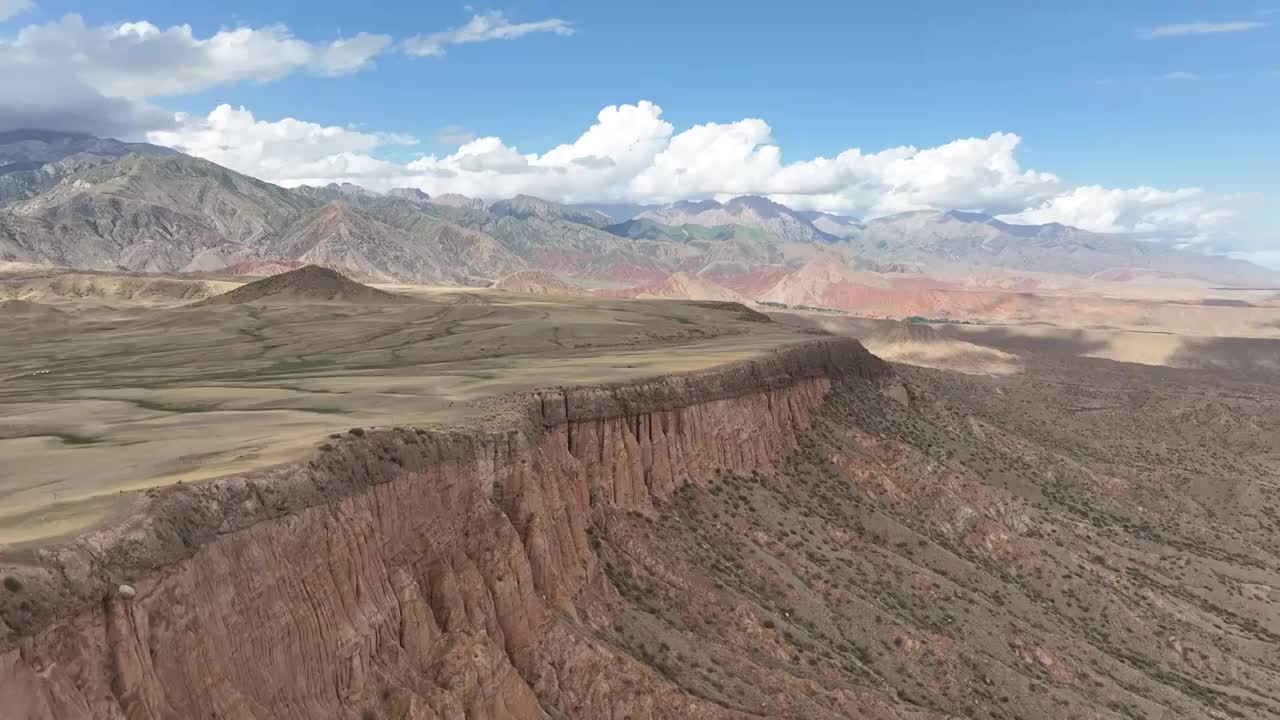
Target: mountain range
(83, 202)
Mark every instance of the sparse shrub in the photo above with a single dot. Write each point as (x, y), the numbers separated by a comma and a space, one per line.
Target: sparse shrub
(12, 584)
(358, 432)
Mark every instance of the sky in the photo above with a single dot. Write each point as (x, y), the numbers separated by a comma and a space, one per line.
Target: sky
(1160, 119)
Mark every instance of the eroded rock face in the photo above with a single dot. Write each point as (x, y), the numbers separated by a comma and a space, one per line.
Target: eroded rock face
(405, 574)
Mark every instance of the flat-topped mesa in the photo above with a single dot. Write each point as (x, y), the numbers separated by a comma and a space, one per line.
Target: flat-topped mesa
(412, 573)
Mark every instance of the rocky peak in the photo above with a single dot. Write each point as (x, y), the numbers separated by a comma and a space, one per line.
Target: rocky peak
(411, 194)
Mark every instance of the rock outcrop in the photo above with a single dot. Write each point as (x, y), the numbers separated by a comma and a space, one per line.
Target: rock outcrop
(400, 573)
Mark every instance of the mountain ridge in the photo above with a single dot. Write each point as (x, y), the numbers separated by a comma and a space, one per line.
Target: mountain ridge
(107, 205)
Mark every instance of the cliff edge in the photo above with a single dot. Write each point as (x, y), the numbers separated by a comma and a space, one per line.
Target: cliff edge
(411, 573)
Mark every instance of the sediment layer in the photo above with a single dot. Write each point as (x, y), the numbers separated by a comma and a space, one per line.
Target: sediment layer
(403, 573)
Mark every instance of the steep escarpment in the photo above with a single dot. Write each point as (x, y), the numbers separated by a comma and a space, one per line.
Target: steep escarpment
(402, 573)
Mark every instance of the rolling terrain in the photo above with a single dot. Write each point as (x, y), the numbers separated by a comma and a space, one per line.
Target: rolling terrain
(288, 453)
(539, 506)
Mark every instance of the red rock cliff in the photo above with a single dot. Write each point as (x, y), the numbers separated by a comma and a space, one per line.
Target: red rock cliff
(403, 573)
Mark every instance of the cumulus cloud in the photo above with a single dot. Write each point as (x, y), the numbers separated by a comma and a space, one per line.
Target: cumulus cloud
(66, 74)
(288, 151)
(62, 102)
(9, 8)
(1202, 28)
(632, 154)
(1188, 215)
(493, 25)
(140, 60)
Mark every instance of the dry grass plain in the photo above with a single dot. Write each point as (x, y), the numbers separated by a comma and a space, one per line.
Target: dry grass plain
(112, 384)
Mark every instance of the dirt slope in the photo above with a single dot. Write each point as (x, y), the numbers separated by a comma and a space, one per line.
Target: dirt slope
(56, 285)
(308, 284)
(536, 282)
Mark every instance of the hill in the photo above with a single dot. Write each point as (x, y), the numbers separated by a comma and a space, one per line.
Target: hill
(526, 206)
(308, 284)
(681, 285)
(536, 282)
(751, 211)
(46, 285)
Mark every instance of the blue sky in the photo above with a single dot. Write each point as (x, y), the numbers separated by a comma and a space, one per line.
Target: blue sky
(1093, 98)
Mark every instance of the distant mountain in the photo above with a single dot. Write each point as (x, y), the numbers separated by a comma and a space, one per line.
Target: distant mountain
(618, 211)
(942, 240)
(103, 204)
(33, 148)
(458, 201)
(152, 213)
(33, 161)
(748, 210)
(737, 243)
(550, 242)
(835, 225)
(175, 213)
(411, 194)
(334, 191)
(681, 285)
(536, 282)
(365, 246)
(525, 206)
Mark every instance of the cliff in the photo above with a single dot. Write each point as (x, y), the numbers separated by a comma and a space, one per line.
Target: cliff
(400, 573)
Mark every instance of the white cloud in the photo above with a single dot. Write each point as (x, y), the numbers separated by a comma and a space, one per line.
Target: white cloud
(349, 55)
(1265, 258)
(137, 60)
(66, 74)
(454, 135)
(1188, 215)
(1180, 75)
(486, 155)
(632, 154)
(121, 66)
(287, 151)
(493, 25)
(1202, 28)
(9, 8)
(57, 101)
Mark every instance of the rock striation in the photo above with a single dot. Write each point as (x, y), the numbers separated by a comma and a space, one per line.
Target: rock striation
(400, 573)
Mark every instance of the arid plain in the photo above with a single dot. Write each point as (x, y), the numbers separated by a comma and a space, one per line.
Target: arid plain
(743, 514)
(116, 383)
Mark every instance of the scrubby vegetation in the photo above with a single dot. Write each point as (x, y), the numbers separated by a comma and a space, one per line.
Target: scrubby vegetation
(971, 553)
